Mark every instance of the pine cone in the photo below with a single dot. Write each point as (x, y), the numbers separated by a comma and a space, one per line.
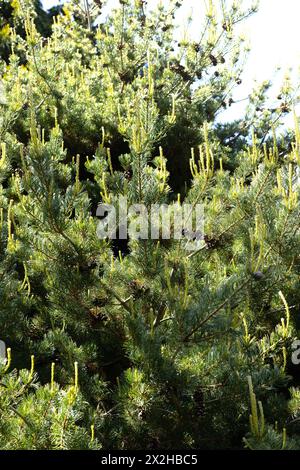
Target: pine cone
(138, 288)
(214, 60)
(211, 243)
(128, 175)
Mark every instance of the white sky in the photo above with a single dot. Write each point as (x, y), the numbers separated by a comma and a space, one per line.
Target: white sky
(274, 34)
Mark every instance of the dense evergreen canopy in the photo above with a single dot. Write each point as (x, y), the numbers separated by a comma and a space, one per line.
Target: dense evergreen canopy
(141, 343)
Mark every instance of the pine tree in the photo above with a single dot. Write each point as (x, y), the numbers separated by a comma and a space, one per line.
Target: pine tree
(41, 417)
(11, 10)
(165, 339)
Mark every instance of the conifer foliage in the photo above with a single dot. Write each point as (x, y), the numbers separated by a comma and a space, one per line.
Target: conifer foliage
(142, 344)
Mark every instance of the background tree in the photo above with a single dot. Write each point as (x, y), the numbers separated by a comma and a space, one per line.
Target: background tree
(9, 11)
(165, 339)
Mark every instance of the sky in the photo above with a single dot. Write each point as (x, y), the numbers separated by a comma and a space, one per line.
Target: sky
(274, 36)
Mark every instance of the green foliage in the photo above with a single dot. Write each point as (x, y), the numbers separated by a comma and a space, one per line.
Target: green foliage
(41, 417)
(164, 338)
(263, 436)
(11, 12)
